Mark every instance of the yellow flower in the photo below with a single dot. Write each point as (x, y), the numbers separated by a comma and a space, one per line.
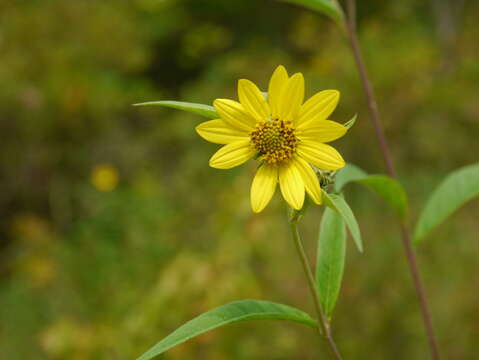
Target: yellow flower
(286, 135)
(104, 177)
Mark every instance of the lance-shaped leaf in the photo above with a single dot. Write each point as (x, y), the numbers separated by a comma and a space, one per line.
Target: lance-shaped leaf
(338, 204)
(348, 174)
(330, 259)
(457, 188)
(329, 8)
(243, 310)
(200, 109)
(389, 189)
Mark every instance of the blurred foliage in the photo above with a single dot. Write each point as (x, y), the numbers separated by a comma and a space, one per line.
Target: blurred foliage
(93, 274)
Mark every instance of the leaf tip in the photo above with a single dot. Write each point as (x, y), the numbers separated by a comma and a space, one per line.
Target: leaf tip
(349, 124)
(141, 104)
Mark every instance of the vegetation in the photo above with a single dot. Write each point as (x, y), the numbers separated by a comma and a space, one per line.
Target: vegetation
(114, 230)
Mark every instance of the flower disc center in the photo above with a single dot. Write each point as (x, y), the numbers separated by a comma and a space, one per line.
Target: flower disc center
(274, 140)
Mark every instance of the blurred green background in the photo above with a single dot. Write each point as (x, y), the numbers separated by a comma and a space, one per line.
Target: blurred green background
(114, 230)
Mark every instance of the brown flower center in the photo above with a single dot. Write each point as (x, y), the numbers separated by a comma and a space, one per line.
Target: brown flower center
(274, 140)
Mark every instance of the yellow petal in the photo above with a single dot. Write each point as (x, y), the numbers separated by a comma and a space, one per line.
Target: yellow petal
(219, 132)
(310, 179)
(318, 107)
(253, 100)
(263, 186)
(232, 155)
(321, 155)
(233, 113)
(291, 98)
(276, 84)
(322, 131)
(292, 185)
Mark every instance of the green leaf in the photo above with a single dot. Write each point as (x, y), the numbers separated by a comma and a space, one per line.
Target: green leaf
(200, 109)
(329, 8)
(234, 312)
(457, 188)
(349, 124)
(389, 189)
(330, 259)
(348, 174)
(338, 204)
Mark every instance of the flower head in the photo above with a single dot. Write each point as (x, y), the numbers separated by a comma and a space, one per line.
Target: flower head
(284, 134)
(104, 177)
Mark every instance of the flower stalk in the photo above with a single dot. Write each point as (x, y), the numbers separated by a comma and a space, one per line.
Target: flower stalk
(324, 329)
(379, 130)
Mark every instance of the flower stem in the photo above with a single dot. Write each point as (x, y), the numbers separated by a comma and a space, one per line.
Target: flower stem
(378, 128)
(324, 330)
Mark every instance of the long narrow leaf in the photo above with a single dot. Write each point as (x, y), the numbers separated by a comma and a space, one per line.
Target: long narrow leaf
(200, 109)
(330, 259)
(243, 310)
(389, 189)
(348, 174)
(338, 204)
(457, 188)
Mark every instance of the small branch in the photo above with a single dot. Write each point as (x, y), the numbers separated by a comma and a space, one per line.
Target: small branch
(324, 328)
(378, 128)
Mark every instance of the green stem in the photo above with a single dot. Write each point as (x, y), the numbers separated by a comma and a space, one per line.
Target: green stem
(324, 329)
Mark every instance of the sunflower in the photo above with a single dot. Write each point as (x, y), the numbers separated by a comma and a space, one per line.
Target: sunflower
(285, 135)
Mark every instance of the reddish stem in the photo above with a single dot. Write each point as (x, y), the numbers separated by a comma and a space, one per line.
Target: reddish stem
(379, 130)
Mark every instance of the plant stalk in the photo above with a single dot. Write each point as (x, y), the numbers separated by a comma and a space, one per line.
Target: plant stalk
(324, 328)
(379, 130)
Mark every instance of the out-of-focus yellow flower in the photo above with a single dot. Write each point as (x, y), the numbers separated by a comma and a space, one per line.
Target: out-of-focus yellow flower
(284, 134)
(104, 177)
